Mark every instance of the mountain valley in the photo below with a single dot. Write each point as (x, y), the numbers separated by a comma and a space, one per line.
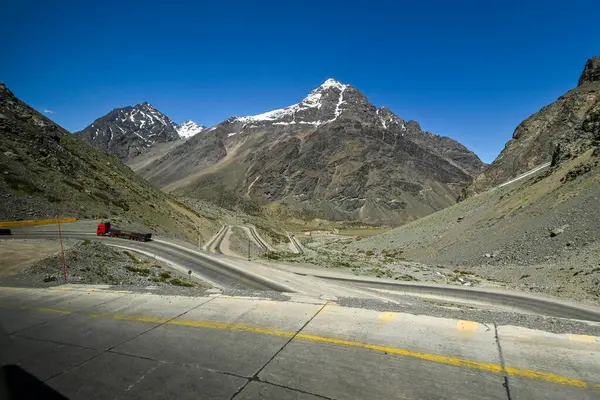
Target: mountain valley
(333, 156)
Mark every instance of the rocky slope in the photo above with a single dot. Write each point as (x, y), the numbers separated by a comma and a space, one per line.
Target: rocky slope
(129, 131)
(561, 129)
(333, 156)
(46, 171)
(540, 234)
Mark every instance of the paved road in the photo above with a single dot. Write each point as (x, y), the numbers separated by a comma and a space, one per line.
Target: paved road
(228, 272)
(102, 344)
(205, 268)
(519, 301)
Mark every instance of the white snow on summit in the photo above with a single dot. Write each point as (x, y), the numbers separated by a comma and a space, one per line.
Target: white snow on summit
(189, 128)
(313, 100)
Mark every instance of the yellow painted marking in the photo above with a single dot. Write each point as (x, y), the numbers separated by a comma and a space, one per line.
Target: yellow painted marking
(137, 318)
(55, 310)
(545, 376)
(231, 327)
(467, 328)
(446, 360)
(582, 338)
(14, 224)
(387, 316)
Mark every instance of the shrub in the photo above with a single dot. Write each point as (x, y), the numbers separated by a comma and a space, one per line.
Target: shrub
(165, 275)
(139, 271)
(132, 257)
(179, 282)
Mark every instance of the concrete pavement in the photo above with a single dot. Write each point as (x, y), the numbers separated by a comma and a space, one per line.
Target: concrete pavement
(89, 342)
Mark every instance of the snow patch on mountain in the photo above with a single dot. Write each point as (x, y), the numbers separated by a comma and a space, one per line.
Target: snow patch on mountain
(387, 118)
(189, 128)
(313, 100)
(124, 131)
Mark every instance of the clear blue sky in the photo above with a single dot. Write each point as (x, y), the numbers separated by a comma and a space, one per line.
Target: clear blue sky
(471, 70)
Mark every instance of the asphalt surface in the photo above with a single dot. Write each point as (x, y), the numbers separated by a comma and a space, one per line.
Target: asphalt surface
(205, 268)
(214, 243)
(516, 301)
(91, 343)
(228, 273)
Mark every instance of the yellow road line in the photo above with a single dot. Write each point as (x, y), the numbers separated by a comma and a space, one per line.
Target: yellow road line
(14, 224)
(447, 360)
(55, 310)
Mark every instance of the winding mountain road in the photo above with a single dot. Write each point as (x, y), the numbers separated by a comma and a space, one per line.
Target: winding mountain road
(232, 273)
(262, 347)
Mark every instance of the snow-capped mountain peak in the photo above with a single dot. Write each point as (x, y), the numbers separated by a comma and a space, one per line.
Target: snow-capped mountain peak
(126, 132)
(189, 128)
(332, 83)
(322, 105)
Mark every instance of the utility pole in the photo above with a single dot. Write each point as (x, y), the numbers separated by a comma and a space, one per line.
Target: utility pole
(62, 249)
(199, 237)
(248, 249)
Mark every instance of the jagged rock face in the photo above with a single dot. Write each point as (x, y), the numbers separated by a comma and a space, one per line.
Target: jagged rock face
(127, 132)
(334, 155)
(572, 123)
(591, 72)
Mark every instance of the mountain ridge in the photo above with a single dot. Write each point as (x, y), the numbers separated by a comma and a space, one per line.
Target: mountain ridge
(129, 131)
(562, 129)
(47, 171)
(287, 158)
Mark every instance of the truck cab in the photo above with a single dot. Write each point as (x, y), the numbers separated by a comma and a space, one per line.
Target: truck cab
(103, 229)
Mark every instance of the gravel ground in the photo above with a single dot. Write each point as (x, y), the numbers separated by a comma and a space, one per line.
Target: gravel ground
(167, 290)
(91, 262)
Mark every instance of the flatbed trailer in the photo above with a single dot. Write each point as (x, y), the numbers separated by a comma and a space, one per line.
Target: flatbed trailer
(105, 229)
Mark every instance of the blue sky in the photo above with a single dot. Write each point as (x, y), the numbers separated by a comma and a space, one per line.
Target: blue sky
(471, 70)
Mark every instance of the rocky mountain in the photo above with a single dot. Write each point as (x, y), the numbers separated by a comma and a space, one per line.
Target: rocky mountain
(130, 131)
(189, 128)
(46, 171)
(562, 129)
(333, 156)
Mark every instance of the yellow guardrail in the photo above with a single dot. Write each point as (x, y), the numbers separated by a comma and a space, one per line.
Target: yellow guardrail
(14, 224)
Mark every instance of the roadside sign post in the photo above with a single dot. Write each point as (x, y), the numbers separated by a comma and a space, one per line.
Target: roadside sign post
(248, 249)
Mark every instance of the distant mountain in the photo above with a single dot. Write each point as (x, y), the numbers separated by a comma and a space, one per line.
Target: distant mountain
(562, 129)
(45, 171)
(189, 128)
(333, 155)
(129, 131)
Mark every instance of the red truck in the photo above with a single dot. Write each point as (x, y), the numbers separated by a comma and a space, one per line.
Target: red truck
(104, 229)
